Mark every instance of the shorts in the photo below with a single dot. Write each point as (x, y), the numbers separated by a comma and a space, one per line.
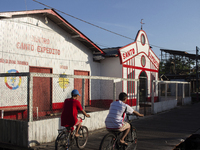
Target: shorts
(78, 122)
(125, 126)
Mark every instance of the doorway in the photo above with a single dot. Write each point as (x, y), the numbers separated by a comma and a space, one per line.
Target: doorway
(143, 87)
(42, 90)
(78, 86)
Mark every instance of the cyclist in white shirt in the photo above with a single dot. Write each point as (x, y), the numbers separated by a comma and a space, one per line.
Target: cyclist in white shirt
(115, 118)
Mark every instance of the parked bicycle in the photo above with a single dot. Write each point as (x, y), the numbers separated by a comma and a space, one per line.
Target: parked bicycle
(111, 141)
(66, 138)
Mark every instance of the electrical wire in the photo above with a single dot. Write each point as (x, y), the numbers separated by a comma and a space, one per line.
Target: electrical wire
(93, 24)
(84, 21)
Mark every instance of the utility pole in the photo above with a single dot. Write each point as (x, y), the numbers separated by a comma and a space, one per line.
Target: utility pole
(197, 73)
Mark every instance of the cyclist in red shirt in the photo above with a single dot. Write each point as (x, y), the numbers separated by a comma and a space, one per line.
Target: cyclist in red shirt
(70, 112)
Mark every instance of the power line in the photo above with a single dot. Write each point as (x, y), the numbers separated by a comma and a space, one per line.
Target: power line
(84, 21)
(93, 24)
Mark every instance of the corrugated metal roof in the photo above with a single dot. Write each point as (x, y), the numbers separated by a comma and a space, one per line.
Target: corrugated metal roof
(181, 53)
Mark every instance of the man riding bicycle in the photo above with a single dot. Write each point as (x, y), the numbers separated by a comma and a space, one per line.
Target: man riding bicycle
(115, 118)
(70, 111)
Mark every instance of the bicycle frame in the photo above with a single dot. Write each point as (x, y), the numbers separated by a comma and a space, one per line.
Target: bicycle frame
(67, 139)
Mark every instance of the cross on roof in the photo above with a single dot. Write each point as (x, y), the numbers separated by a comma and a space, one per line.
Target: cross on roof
(141, 23)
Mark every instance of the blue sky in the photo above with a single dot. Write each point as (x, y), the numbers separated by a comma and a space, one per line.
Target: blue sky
(169, 24)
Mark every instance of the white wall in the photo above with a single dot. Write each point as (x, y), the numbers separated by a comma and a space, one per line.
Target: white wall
(42, 133)
(163, 106)
(110, 67)
(32, 30)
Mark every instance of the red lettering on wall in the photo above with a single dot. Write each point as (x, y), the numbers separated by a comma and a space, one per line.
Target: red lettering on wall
(40, 40)
(48, 50)
(151, 57)
(128, 53)
(30, 47)
(8, 61)
(25, 46)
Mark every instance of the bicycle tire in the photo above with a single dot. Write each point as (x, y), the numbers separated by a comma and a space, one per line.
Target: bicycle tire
(81, 141)
(108, 142)
(132, 139)
(62, 141)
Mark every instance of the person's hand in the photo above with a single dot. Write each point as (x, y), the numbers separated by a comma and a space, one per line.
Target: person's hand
(87, 115)
(141, 115)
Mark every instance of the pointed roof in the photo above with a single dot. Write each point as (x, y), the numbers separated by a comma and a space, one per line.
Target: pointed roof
(59, 21)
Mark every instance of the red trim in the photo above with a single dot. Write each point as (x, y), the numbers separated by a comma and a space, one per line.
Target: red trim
(127, 45)
(13, 106)
(141, 39)
(56, 106)
(51, 11)
(145, 61)
(101, 103)
(154, 54)
(141, 68)
(139, 54)
(155, 99)
(151, 61)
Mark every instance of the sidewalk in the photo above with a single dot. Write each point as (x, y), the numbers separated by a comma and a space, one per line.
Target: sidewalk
(155, 132)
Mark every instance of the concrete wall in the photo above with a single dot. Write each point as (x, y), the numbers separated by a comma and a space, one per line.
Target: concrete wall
(110, 67)
(163, 106)
(187, 100)
(44, 131)
(168, 104)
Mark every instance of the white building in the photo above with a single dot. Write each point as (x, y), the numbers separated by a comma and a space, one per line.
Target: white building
(135, 61)
(43, 41)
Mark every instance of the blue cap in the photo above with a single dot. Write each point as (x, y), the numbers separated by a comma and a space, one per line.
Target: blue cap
(75, 92)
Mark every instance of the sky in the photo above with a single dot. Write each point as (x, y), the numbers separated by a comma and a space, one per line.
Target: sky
(169, 24)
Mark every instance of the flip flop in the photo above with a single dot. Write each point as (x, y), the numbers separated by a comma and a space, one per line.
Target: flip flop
(79, 136)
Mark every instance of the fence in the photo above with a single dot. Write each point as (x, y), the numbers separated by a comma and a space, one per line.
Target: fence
(30, 101)
(35, 96)
(170, 94)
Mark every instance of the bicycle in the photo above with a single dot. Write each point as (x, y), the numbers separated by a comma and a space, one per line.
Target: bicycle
(66, 138)
(111, 141)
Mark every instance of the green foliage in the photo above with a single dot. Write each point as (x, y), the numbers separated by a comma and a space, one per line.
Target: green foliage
(177, 66)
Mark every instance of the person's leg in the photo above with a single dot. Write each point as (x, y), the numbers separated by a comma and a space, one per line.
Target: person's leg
(125, 128)
(78, 125)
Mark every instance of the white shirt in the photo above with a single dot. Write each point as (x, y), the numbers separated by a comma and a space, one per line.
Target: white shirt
(115, 117)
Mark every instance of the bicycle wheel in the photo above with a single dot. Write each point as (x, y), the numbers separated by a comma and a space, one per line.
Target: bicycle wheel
(62, 141)
(108, 142)
(134, 135)
(131, 139)
(81, 141)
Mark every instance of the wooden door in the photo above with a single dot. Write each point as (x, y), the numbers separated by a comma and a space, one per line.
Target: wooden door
(78, 85)
(42, 90)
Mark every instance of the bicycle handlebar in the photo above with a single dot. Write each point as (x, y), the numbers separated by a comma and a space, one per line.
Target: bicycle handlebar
(83, 117)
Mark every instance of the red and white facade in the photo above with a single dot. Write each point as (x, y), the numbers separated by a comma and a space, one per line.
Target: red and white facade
(42, 41)
(139, 61)
(135, 61)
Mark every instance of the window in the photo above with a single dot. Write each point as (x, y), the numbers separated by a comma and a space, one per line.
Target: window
(131, 84)
(142, 39)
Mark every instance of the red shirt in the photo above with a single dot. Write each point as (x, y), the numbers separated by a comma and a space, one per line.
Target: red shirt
(70, 112)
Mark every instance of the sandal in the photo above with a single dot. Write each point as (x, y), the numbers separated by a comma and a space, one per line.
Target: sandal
(77, 136)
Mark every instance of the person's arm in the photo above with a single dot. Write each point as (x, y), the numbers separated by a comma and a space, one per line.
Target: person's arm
(138, 114)
(83, 112)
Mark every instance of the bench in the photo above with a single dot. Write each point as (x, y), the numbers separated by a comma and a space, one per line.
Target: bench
(13, 109)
